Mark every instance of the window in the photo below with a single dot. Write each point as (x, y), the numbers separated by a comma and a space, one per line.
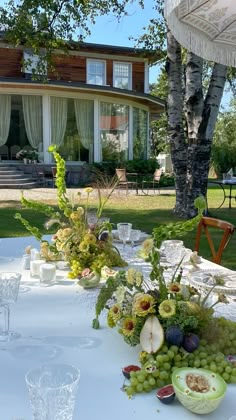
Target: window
(122, 75)
(140, 133)
(114, 130)
(96, 72)
(33, 64)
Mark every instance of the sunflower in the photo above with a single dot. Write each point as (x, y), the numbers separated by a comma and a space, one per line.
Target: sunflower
(89, 238)
(83, 246)
(128, 327)
(167, 308)
(114, 314)
(88, 190)
(143, 304)
(174, 288)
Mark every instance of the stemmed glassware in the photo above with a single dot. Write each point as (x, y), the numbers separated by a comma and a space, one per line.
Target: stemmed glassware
(134, 237)
(9, 289)
(124, 232)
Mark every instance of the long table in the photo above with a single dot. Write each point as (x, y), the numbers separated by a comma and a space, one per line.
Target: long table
(55, 324)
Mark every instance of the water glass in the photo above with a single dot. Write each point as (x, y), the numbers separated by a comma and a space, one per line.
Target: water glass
(134, 237)
(52, 391)
(9, 290)
(124, 232)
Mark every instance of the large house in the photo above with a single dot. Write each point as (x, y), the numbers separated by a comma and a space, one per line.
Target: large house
(95, 105)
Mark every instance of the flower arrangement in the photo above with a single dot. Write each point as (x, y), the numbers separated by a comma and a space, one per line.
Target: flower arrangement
(171, 320)
(83, 244)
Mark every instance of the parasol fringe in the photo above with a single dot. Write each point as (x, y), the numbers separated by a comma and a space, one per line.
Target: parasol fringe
(197, 42)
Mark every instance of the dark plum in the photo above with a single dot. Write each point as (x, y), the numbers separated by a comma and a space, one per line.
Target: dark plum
(174, 335)
(190, 342)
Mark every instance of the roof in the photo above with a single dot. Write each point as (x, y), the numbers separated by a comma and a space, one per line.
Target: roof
(151, 55)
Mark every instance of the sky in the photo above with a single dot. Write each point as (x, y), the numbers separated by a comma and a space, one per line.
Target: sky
(108, 30)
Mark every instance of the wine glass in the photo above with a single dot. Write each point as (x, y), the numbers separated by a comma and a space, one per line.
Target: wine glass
(9, 289)
(124, 231)
(134, 237)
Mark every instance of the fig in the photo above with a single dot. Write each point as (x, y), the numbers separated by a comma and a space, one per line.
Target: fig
(198, 390)
(174, 335)
(152, 335)
(128, 369)
(166, 394)
(190, 342)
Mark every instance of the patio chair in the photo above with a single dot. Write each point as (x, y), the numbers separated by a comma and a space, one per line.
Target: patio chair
(124, 182)
(4, 153)
(14, 150)
(154, 181)
(209, 222)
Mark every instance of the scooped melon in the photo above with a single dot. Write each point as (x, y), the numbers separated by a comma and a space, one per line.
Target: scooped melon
(199, 390)
(152, 335)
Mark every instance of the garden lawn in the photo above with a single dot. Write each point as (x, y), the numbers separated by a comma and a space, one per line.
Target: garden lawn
(144, 212)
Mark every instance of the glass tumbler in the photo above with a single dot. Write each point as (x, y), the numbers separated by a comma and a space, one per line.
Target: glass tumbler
(52, 391)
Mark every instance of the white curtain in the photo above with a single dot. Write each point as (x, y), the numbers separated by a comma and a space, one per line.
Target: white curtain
(84, 115)
(5, 117)
(58, 120)
(32, 111)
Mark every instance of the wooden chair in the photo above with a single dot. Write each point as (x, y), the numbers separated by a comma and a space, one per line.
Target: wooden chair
(155, 180)
(123, 180)
(4, 153)
(226, 227)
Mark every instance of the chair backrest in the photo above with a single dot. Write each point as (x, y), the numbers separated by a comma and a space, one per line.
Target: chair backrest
(14, 150)
(157, 175)
(54, 171)
(210, 222)
(4, 151)
(121, 175)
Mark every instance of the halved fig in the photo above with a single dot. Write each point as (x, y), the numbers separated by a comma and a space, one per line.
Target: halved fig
(166, 394)
(128, 369)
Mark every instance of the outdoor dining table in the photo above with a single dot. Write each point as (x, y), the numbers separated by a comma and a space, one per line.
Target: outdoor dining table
(227, 188)
(55, 327)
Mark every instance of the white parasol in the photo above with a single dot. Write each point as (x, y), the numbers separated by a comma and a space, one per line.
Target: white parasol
(205, 27)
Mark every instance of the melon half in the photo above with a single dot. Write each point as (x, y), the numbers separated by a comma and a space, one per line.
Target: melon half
(199, 390)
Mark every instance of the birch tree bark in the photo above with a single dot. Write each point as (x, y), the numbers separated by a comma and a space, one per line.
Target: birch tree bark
(191, 150)
(175, 121)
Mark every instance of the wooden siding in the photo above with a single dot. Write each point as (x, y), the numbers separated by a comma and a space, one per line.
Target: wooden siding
(10, 62)
(67, 68)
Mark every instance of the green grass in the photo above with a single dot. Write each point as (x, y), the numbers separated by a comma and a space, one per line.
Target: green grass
(144, 212)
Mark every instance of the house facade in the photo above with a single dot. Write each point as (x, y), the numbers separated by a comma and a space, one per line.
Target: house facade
(95, 105)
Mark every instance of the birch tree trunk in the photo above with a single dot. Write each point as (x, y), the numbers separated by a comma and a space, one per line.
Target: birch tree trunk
(175, 121)
(191, 152)
(201, 115)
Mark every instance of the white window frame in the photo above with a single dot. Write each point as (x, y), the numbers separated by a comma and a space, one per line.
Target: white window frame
(89, 60)
(29, 68)
(129, 73)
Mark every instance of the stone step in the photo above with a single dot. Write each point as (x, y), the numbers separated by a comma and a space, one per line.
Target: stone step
(11, 175)
(19, 186)
(19, 180)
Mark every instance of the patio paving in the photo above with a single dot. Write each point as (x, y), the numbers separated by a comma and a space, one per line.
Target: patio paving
(49, 195)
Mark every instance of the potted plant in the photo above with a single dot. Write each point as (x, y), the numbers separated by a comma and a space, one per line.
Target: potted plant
(23, 154)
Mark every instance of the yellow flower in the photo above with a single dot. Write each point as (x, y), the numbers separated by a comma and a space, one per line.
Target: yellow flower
(128, 327)
(88, 190)
(83, 246)
(167, 308)
(90, 238)
(110, 321)
(115, 313)
(134, 277)
(174, 288)
(143, 304)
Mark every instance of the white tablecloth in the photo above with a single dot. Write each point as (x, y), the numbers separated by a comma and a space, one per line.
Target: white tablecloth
(55, 323)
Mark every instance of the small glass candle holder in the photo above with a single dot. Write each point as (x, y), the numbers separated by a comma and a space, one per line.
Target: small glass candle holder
(26, 261)
(47, 274)
(34, 254)
(35, 267)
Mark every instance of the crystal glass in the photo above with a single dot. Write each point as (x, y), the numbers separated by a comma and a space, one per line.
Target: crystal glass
(92, 218)
(134, 237)
(52, 391)
(9, 290)
(124, 232)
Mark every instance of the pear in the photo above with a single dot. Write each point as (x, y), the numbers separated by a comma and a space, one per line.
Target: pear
(152, 335)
